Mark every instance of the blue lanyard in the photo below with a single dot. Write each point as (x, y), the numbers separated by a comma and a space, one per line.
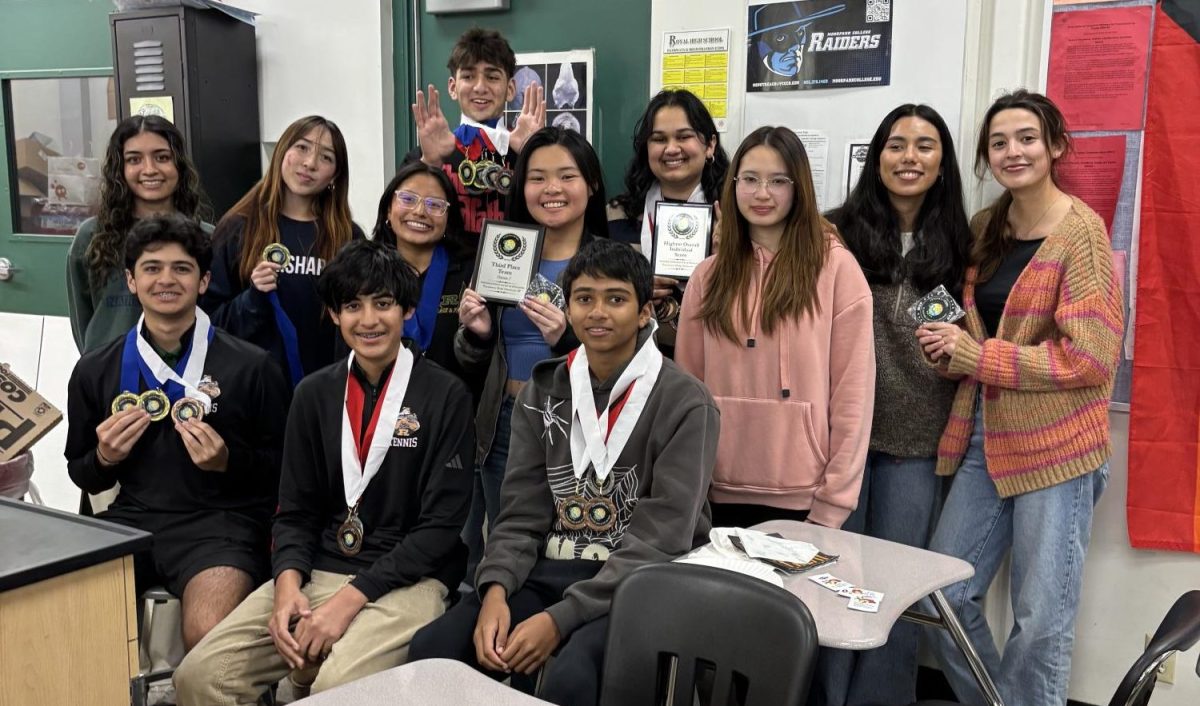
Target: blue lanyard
(420, 326)
(132, 366)
(287, 333)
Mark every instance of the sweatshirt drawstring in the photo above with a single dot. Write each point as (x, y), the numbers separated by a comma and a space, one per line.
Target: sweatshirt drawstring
(756, 302)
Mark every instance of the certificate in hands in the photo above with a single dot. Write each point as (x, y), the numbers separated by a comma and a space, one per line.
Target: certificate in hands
(682, 238)
(507, 261)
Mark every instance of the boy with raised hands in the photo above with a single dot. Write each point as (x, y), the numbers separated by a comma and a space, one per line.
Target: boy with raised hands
(479, 154)
(375, 491)
(610, 461)
(190, 421)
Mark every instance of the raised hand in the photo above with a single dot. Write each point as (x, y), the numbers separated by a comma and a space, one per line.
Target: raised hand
(532, 117)
(433, 131)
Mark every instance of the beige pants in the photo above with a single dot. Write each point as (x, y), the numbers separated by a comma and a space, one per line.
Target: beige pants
(237, 661)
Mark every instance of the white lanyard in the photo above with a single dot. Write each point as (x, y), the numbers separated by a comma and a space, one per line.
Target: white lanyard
(355, 475)
(194, 369)
(498, 135)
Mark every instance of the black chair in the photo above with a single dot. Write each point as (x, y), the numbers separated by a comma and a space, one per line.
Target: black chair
(1177, 632)
(681, 634)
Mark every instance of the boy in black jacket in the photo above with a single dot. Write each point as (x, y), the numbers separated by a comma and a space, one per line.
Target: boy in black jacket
(375, 490)
(610, 461)
(190, 421)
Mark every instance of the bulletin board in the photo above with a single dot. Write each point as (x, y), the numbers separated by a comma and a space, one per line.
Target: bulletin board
(922, 71)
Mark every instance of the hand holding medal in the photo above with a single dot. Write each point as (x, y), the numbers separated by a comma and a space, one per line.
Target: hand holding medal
(936, 313)
(204, 445)
(265, 277)
(116, 435)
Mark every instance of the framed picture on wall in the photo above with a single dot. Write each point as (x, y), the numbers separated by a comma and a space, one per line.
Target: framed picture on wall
(567, 79)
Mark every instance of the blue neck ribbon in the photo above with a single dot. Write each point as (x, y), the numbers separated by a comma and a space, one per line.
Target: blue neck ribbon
(287, 333)
(420, 326)
(132, 366)
(467, 134)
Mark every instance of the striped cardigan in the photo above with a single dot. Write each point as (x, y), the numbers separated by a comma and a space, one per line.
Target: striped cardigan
(1048, 374)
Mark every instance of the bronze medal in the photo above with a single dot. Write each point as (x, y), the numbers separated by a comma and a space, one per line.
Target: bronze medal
(572, 512)
(601, 514)
(277, 254)
(504, 181)
(124, 401)
(350, 534)
(187, 408)
(156, 404)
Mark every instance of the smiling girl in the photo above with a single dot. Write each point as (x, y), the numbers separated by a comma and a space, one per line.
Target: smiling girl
(301, 202)
(146, 173)
(777, 324)
(560, 186)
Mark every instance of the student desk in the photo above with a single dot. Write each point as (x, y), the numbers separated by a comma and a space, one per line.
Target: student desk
(68, 622)
(904, 575)
(429, 682)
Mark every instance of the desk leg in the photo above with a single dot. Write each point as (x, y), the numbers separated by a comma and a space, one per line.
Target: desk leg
(955, 628)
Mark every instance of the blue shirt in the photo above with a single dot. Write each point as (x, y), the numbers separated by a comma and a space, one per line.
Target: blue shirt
(524, 346)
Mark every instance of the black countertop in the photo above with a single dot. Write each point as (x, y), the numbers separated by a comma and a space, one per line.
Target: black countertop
(37, 543)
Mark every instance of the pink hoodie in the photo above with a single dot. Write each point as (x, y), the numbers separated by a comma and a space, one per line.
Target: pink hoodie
(796, 405)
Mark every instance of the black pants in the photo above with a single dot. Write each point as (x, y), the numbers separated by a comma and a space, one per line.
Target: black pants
(571, 678)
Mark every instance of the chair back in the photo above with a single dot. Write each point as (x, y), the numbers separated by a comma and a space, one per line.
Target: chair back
(682, 634)
(1177, 632)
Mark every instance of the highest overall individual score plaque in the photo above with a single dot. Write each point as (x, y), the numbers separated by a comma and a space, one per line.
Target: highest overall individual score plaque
(682, 238)
(507, 261)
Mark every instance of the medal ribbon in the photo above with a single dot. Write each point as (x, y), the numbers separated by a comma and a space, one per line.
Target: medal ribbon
(420, 325)
(653, 196)
(495, 135)
(139, 358)
(590, 447)
(362, 454)
(287, 333)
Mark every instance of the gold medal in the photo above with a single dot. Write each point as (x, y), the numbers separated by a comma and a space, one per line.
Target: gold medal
(187, 408)
(124, 401)
(156, 404)
(350, 534)
(278, 254)
(467, 171)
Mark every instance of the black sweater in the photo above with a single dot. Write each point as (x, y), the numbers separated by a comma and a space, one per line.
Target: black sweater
(250, 406)
(414, 509)
(236, 306)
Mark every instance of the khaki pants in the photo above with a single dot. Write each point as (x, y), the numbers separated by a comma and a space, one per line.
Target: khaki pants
(237, 661)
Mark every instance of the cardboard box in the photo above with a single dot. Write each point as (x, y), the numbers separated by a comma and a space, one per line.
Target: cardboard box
(25, 416)
(31, 157)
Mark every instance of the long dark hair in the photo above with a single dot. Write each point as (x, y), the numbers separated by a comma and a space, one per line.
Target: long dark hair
(106, 252)
(790, 286)
(456, 239)
(639, 178)
(996, 240)
(942, 235)
(595, 220)
(263, 203)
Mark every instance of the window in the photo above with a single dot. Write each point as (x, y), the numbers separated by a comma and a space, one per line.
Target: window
(58, 129)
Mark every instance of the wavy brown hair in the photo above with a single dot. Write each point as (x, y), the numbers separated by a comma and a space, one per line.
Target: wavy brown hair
(997, 239)
(262, 204)
(790, 283)
(106, 252)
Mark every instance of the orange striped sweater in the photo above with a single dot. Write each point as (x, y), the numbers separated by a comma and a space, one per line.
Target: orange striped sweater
(1047, 376)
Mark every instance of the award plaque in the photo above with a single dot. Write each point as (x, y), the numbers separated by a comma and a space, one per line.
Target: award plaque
(507, 261)
(682, 238)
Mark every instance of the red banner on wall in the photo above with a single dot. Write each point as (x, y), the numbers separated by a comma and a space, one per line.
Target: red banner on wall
(1163, 504)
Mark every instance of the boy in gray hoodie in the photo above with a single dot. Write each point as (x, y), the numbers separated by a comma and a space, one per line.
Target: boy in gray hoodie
(610, 461)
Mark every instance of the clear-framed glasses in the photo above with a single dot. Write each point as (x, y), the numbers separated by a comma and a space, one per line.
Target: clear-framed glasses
(433, 206)
(749, 184)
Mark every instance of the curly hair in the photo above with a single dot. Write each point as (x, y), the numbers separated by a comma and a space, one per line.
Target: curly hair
(639, 178)
(107, 250)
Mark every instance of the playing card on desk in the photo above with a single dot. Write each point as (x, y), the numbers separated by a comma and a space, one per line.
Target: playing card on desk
(547, 291)
(936, 307)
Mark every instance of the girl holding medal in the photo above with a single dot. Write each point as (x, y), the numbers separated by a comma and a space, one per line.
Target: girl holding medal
(420, 216)
(267, 294)
(677, 158)
(905, 223)
(1035, 362)
(777, 324)
(146, 172)
(560, 186)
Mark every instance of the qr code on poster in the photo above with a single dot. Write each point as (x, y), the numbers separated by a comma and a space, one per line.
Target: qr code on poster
(879, 10)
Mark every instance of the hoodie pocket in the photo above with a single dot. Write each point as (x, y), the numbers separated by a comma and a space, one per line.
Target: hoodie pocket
(767, 445)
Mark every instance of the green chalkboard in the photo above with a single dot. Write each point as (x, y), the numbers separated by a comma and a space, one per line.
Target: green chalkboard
(619, 31)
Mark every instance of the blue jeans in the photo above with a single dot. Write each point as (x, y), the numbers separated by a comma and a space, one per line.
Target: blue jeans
(488, 478)
(1047, 532)
(898, 502)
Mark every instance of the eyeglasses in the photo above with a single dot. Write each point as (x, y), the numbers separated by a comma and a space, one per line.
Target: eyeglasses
(434, 207)
(749, 184)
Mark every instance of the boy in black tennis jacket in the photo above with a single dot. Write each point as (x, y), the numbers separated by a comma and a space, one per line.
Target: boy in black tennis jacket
(375, 491)
(610, 461)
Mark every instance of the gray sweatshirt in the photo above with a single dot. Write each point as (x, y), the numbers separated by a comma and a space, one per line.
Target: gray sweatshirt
(658, 487)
